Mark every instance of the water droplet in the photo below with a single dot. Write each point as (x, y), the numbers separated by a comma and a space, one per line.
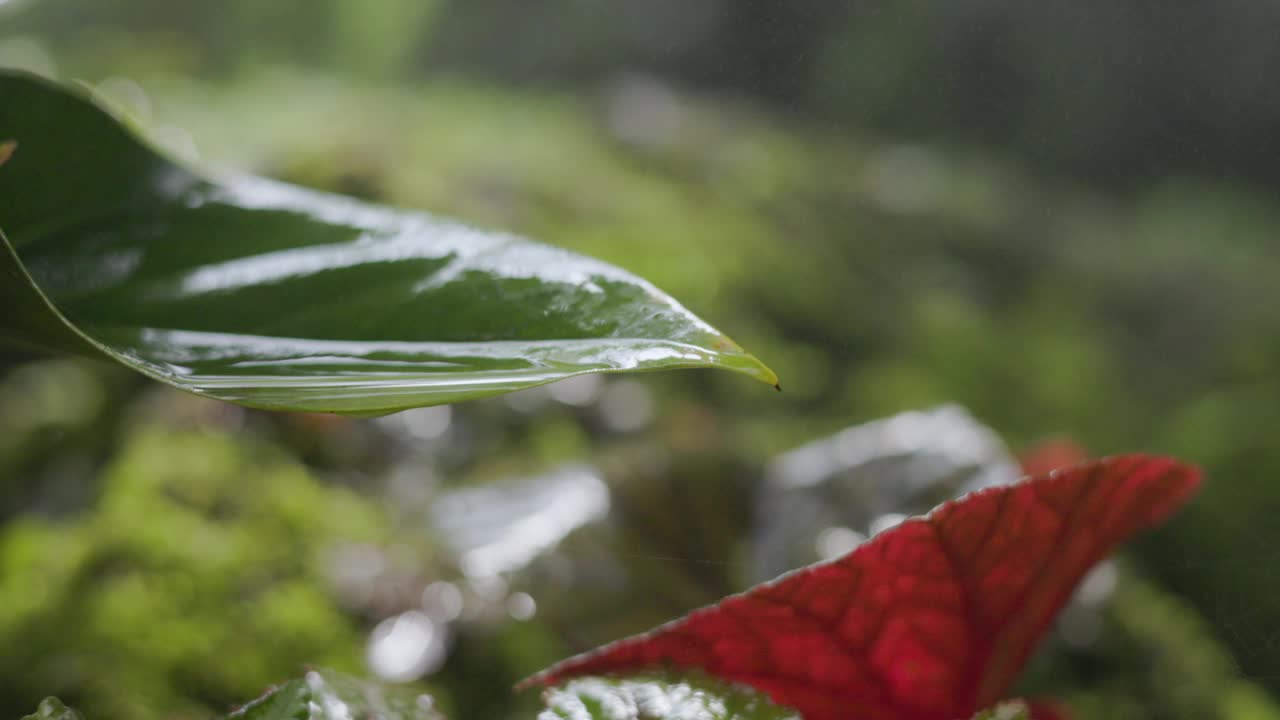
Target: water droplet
(834, 542)
(406, 647)
(521, 606)
(442, 601)
(578, 391)
(886, 521)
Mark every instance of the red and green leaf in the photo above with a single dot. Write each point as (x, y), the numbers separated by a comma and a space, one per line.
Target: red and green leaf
(931, 620)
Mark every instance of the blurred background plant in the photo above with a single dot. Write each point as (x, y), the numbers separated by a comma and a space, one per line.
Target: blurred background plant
(1061, 217)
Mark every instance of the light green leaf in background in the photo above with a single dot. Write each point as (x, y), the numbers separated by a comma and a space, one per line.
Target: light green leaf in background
(273, 296)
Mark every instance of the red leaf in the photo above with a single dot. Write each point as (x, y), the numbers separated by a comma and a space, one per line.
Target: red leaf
(931, 620)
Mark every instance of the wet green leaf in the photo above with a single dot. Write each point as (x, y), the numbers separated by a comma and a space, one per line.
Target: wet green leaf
(327, 695)
(51, 708)
(289, 701)
(658, 698)
(273, 296)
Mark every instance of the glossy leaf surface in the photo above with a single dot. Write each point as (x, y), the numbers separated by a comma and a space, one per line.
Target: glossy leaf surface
(274, 296)
(862, 475)
(658, 698)
(693, 696)
(930, 620)
(327, 695)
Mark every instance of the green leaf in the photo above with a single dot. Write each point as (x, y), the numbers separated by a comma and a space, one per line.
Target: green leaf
(51, 708)
(327, 695)
(667, 697)
(286, 702)
(275, 296)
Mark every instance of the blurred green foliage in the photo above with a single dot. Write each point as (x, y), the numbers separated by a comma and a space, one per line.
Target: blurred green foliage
(898, 237)
(186, 588)
(1120, 92)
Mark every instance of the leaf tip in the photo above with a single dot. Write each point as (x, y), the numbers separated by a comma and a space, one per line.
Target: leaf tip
(751, 365)
(543, 678)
